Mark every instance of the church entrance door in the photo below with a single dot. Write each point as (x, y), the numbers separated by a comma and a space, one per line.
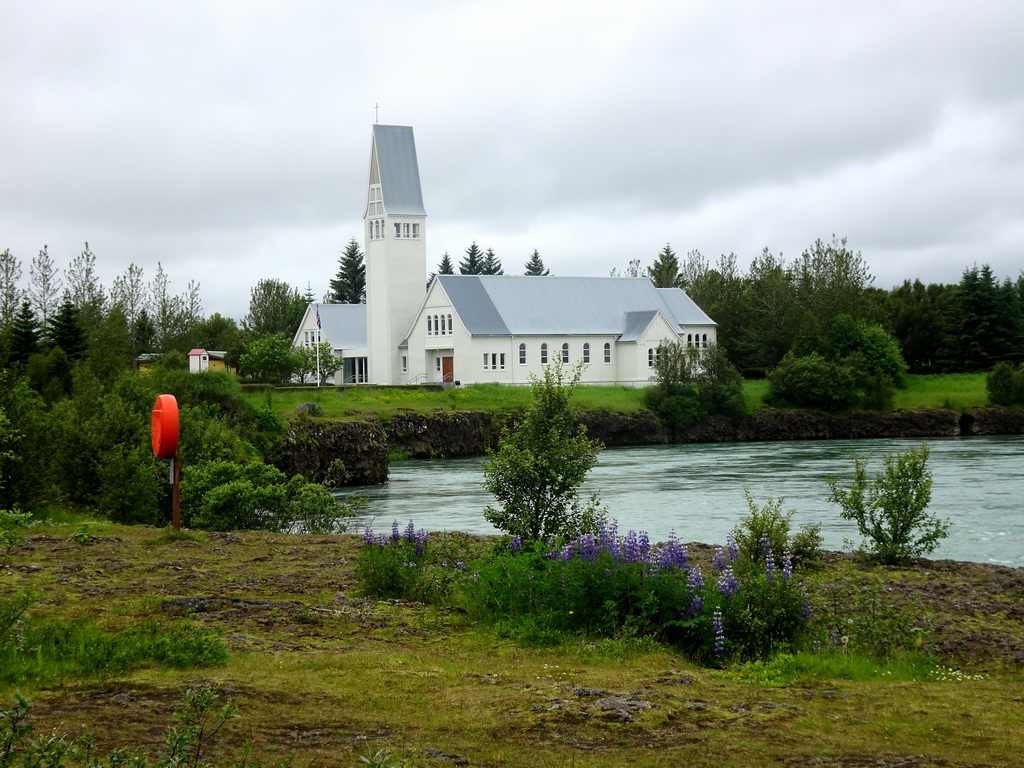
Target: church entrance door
(448, 369)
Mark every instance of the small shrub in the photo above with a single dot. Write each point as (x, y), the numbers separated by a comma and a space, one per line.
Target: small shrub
(812, 381)
(890, 510)
(10, 537)
(769, 522)
(1005, 385)
(311, 409)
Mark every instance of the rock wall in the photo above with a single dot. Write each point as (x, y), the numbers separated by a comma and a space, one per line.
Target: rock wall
(357, 453)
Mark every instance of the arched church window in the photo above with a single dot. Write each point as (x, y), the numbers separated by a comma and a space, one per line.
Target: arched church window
(565, 352)
(689, 340)
(430, 325)
(522, 354)
(544, 354)
(444, 326)
(586, 353)
(607, 352)
(705, 341)
(450, 326)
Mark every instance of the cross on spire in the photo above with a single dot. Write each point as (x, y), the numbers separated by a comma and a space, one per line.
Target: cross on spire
(376, 112)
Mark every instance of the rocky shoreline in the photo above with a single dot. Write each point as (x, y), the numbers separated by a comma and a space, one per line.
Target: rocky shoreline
(358, 453)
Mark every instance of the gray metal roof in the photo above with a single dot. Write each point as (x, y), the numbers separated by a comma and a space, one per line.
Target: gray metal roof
(635, 323)
(399, 171)
(343, 325)
(526, 305)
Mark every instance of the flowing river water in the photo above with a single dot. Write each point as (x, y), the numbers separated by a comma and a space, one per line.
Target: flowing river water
(697, 490)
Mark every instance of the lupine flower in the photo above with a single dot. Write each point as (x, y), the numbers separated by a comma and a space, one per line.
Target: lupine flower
(769, 558)
(718, 561)
(421, 540)
(395, 535)
(630, 548)
(460, 565)
(734, 549)
(672, 554)
(695, 580)
(368, 538)
(716, 620)
(410, 532)
(787, 565)
(727, 583)
(517, 545)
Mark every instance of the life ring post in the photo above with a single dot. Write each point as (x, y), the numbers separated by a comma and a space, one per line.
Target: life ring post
(164, 429)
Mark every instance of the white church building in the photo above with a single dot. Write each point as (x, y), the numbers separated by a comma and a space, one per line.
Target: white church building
(484, 328)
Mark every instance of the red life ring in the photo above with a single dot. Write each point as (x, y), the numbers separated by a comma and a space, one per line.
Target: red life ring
(165, 427)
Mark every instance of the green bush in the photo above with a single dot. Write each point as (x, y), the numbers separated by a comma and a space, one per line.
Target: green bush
(1005, 384)
(768, 523)
(811, 382)
(226, 496)
(890, 510)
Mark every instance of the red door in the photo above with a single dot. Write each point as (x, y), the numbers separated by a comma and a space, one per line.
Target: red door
(447, 369)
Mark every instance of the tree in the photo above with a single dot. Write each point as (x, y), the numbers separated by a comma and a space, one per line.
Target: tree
(632, 270)
(540, 463)
(474, 261)
(44, 285)
(832, 280)
(890, 510)
(981, 322)
(811, 381)
(271, 358)
(774, 313)
(665, 270)
(10, 293)
(693, 384)
(535, 267)
(1005, 384)
(129, 291)
(307, 362)
(84, 288)
(349, 286)
(274, 307)
(491, 264)
(445, 267)
(65, 330)
(24, 334)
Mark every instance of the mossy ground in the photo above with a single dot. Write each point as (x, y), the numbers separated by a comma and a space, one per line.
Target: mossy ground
(320, 671)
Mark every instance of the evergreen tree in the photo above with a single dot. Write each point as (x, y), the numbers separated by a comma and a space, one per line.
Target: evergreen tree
(665, 270)
(474, 261)
(445, 267)
(24, 334)
(65, 330)
(349, 286)
(535, 267)
(143, 333)
(491, 264)
(980, 322)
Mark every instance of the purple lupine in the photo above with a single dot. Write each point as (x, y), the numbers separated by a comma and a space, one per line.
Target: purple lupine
(630, 548)
(718, 561)
(368, 538)
(516, 546)
(410, 532)
(716, 621)
(644, 543)
(695, 581)
(421, 541)
(461, 566)
(382, 540)
(734, 549)
(587, 547)
(395, 535)
(787, 565)
(727, 583)
(769, 558)
(672, 555)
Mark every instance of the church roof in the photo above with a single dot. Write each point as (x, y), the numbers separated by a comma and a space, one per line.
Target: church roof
(395, 151)
(343, 325)
(525, 305)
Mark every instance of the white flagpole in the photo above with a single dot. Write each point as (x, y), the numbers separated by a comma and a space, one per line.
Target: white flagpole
(318, 345)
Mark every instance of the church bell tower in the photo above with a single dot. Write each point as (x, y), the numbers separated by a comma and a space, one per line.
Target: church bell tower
(396, 253)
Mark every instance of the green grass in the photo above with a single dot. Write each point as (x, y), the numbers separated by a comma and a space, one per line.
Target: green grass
(959, 391)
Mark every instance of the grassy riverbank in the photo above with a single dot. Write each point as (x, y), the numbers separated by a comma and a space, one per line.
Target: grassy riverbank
(320, 671)
(960, 391)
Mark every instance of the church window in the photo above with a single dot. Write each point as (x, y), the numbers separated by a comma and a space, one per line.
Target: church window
(398, 230)
(405, 363)
(405, 230)
(689, 340)
(369, 234)
(705, 341)
(437, 363)
(607, 352)
(565, 352)
(522, 354)
(444, 326)
(586, 353)
(415, 230)
(437, 328)
(651, 357)
(450, 326)
(543, 354)
(501, 360)
(430, 325)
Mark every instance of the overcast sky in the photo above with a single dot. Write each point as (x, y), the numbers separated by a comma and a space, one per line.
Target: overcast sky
(230, 140)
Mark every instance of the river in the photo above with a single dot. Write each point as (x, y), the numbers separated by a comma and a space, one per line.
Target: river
(697, 490)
